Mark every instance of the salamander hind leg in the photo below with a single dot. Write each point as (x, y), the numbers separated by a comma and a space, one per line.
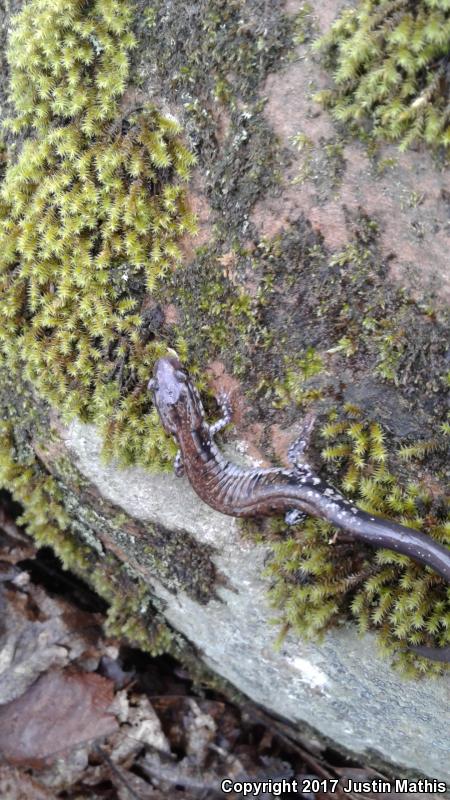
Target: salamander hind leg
(296, 452)
(223, 400)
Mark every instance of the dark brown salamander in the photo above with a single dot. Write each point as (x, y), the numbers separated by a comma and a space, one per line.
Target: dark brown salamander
(241, 492)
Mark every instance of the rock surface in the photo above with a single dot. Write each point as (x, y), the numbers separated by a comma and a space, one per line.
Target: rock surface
(342, 687)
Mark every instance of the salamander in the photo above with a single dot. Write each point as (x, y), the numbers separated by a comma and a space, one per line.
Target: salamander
(251, 492)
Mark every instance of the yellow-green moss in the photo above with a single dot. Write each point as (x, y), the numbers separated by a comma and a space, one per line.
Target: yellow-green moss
(90, 216)
(315, 580)
(294, 388)
(68, 59)
(389, 60)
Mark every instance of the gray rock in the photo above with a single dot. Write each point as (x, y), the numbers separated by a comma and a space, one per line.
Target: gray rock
(341, 687)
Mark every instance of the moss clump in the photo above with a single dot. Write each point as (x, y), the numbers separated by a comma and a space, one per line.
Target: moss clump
(389, 60)
(295, 388)
(69, 59)
(218, 315)
(129, 618)
(314, 580)
(90, 215)
(223, 47)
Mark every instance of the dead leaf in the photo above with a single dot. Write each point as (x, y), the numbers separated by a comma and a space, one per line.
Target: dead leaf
(14, 785)
(60, 711)
(141, 728)
(37, 633)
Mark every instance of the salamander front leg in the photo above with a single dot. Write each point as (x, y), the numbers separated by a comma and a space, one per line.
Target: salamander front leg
(223, 401)
(178, 466)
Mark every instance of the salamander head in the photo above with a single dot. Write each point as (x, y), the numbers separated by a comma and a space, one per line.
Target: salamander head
(176, 400)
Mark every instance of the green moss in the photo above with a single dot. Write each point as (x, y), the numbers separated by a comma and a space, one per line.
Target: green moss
(316, 576)
(303, 24)
(68, 59)
(296, 388)
(389, 63)
(321, 163)
(305, 146)
(217, 314)
(90, 216)
(222, 40)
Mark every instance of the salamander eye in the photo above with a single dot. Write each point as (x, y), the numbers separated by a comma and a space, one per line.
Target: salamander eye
(180, 376)
(152, 385)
